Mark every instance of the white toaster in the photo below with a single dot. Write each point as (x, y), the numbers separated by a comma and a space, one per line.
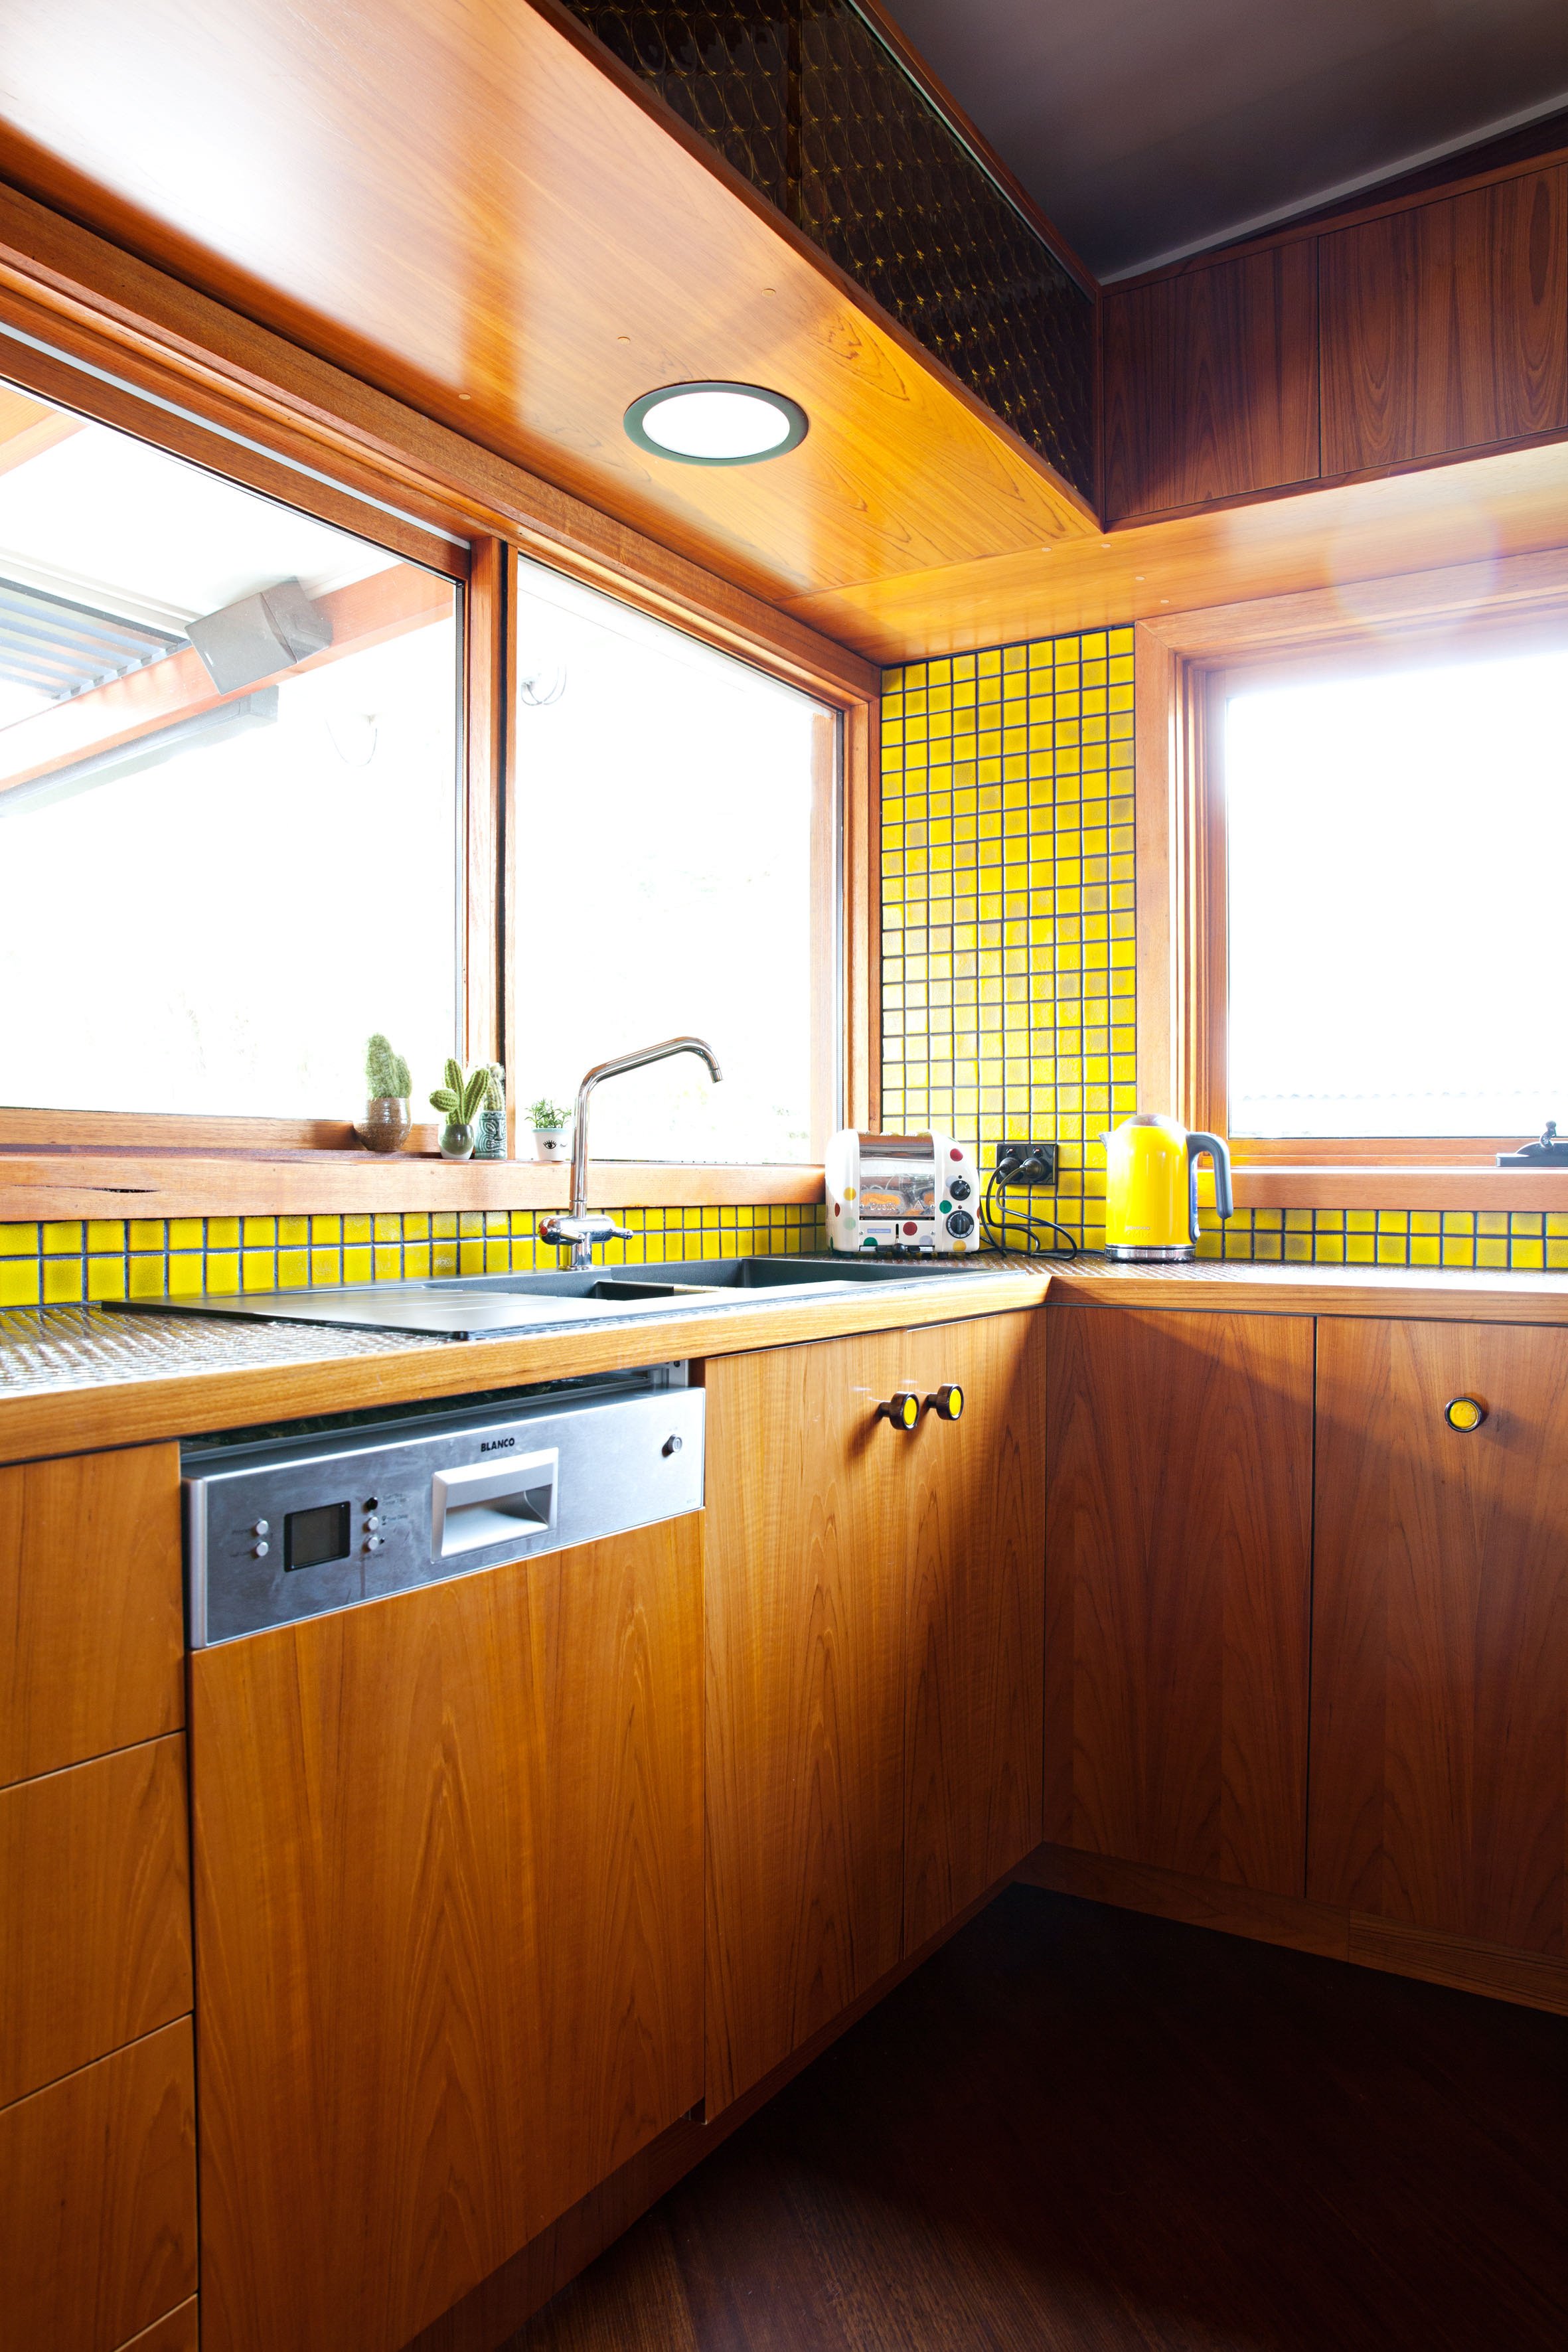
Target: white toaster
(902, 1192)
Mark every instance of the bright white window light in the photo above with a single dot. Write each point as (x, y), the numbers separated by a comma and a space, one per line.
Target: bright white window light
(716, 424)
(1395, 847)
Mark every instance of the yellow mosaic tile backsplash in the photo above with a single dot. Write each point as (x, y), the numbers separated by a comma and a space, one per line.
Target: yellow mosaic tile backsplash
(1009, 906)
(1009, 909)
(56, 1264)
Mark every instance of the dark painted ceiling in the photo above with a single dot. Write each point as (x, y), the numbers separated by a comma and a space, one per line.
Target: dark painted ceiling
(1151, 128)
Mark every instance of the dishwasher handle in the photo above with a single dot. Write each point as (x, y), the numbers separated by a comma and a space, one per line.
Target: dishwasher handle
(492, 1502)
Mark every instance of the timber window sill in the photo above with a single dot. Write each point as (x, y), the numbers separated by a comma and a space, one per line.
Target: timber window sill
(39, 1183)
(1433, 1186)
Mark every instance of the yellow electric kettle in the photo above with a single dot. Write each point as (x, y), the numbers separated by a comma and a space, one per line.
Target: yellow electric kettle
(1151, 1187)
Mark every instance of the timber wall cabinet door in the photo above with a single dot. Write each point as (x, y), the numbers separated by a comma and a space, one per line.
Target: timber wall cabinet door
(1178, 1567)
(448, 1858)
(973, 1500)
(1440, 1629)
(805, 1710)
(1211, 383)
(1444, 327)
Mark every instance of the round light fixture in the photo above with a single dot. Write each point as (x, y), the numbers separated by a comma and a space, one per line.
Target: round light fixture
(716, 424)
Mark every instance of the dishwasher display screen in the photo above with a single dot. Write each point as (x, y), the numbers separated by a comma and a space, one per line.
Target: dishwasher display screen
(311, 1538)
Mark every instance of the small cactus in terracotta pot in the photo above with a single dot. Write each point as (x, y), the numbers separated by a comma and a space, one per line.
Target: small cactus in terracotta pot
(458, 1101)
(387, 1086)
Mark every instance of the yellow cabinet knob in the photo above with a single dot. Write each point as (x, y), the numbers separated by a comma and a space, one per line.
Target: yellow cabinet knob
(947, 1403)
(903, 1409)
(1464, 1413)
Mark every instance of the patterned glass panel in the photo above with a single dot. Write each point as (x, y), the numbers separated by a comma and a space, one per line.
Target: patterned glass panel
(804, 98)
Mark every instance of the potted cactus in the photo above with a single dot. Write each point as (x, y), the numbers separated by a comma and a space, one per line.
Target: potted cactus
(458, 1101)
(387, 1086)
(551, 1125)
(490, 1132)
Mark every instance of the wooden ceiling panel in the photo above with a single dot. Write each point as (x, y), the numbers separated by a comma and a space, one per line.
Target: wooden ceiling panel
(1337, 540)
(460, 206)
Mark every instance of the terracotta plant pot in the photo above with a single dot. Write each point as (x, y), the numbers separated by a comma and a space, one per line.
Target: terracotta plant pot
(386, 1123)
(552, 1142)
(456, 1140)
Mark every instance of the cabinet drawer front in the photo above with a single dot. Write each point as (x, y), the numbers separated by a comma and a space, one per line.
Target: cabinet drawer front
(1440, 1630)
(92, 1631)
(98, 2225)
(95, 1922)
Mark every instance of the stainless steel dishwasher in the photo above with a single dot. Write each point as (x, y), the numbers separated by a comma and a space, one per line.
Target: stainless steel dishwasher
(285, 1525)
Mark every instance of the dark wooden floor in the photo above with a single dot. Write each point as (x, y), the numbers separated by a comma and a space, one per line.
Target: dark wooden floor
(1076, 2130)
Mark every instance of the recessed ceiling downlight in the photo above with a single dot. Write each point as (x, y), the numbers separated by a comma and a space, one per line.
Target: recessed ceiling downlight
(716, 424)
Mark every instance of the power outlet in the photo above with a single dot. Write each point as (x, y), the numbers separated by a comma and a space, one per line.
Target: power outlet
(1026, 1163)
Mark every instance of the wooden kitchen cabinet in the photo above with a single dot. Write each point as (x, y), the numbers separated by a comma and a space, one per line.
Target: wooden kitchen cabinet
(1440, 1631)
(874, 1606)
(974, 1507)
(1211, 383)
(449, 1863)
(1178, 1544)
(1444, 326)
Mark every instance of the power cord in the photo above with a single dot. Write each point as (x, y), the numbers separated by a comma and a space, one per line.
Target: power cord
(1008, 1168)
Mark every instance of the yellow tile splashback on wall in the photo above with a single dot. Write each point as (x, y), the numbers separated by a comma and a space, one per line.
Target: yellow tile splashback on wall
(57, 1265)
(1009, 912)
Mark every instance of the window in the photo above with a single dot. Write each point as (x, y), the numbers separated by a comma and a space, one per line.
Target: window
(676, 870)
(1396, 839)
(229, 793)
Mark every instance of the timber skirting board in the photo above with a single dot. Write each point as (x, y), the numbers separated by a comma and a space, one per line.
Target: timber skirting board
(1305, 1927)
(498, 2305)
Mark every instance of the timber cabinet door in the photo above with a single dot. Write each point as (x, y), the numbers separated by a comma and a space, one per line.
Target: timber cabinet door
(875, 1603)
(805, 1708)
(1177, 1565)
(449, 1868)
(1440, 1629)
(974, 1498)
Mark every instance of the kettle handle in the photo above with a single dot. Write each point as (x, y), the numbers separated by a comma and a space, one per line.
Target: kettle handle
(1219, 1152)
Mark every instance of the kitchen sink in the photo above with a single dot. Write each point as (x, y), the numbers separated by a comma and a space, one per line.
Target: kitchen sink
(484, 1306)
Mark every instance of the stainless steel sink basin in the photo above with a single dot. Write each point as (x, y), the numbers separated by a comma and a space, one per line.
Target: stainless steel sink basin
(484, 1306)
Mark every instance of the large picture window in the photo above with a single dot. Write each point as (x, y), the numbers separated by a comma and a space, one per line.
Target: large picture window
(1394, 838)
(229, 842)
(676, 869)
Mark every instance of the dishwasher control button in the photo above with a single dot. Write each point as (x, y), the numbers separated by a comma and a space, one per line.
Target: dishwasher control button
(373, 1521)
(374, 1543)
(262, 1527)
(372, 1503)
(262, 1549)
(671, 1445)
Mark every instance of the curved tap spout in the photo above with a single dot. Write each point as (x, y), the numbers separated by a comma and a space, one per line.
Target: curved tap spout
(579, 1229)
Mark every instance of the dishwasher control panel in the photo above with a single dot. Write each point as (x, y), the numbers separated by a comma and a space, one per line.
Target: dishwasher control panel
(278, 1530)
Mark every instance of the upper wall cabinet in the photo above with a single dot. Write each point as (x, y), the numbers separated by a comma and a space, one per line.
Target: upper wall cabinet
(1445, 327)
(1211, 385)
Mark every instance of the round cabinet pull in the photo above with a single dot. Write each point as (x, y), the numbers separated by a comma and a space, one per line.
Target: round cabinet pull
(947, 1403)
(903, 1411)
(1464, 1413)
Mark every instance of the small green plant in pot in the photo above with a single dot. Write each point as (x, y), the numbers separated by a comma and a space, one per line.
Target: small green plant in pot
(387, 1086)
(551, 1125)
(458, 1101)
